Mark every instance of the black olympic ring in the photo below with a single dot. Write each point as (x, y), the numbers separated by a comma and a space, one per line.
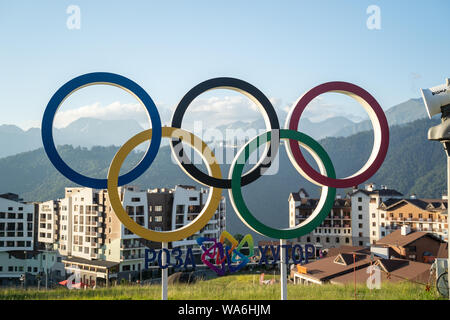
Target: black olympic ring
(258, 98)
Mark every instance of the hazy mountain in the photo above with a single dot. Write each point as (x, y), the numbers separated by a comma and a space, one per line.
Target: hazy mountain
(86, 132)
(318, 130)
(413, 165)
(14, 140)
(402, 113)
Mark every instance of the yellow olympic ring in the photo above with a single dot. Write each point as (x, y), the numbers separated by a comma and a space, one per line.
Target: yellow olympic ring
(181, 233)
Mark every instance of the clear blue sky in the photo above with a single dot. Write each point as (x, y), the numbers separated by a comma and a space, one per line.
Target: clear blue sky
(282, 47)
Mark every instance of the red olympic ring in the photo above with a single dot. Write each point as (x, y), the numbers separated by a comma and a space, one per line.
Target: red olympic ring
(381, 135)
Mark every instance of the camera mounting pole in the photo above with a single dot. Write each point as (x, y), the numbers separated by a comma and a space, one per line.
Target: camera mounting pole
(437, 100)
(445, 119)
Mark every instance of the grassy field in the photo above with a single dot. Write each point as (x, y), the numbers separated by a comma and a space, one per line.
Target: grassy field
(233, 287)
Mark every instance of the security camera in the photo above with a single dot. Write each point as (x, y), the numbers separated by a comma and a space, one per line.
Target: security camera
(435, 98)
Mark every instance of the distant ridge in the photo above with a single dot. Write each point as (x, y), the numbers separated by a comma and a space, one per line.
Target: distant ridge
(413, 165)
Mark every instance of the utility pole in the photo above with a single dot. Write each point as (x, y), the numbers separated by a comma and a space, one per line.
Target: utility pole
(46, 267)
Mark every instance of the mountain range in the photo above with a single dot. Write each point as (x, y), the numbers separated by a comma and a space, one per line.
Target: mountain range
(86, 132)
(89, 132)
(400, 114)
(413, 165)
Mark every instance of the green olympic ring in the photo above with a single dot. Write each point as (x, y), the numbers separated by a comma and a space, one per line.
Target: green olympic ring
(323, 208)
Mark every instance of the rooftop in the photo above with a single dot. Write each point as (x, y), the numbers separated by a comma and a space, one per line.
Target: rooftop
(95, 263)
(397, 239)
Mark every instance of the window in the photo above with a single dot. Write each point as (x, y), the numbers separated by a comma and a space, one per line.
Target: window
(360, 243)
(140, 210)
(360, 208)
(374, 224)
(192, 198)
(158, 218)
(383, 233)
(360, 217)
(374, 233)
(317, 239)
(360, 225)
(327, 240)
(158, 208)
(359, 199)
(373, 215)
(135, 199)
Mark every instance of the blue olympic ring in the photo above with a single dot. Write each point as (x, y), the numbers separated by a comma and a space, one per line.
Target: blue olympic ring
(87, 80)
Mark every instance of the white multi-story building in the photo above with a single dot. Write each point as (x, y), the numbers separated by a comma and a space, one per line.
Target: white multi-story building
(187, 204)
(48, 222)
(18, 241)
(16, 224)
(334, 231)
(368, 223)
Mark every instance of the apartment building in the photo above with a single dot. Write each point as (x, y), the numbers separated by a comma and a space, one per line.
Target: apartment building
(335, 230)
(20, 262)
(48, 223)
(427, 215)
(100, 247)
(368, 224)
(187, 204)
(93, 238)
(16, 224)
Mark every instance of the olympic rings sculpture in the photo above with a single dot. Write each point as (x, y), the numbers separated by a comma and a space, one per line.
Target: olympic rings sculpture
(271, 138)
